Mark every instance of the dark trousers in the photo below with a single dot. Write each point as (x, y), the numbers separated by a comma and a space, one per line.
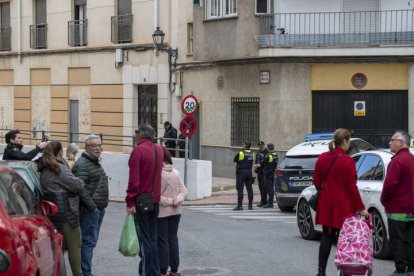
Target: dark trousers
(168, 250)
(270, 191)
(261, 178)
(147, 230)
(402, 244)
(325, 246)
(244, 177)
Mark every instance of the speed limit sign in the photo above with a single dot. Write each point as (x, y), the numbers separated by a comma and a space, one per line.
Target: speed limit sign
(189, 105)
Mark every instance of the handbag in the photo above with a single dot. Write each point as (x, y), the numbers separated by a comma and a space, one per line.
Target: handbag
(143, 202)
(128, 242)
(313, 201)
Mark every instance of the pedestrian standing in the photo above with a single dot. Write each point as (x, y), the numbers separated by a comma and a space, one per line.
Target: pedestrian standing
(398, 199)
(61, 187)
(173, 193)
(339, 194)
(244, 160)
(269, 163)
(145, 167)
(260, 170)
(170, 133)
(71, 152)
(13, 150)
(93, 199)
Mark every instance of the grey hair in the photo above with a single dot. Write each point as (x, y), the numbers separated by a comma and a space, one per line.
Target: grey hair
(91, 137)
(405, 137)
(146, 131)
(72, 147)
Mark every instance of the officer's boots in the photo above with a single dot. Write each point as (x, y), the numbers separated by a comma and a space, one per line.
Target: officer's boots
(238, 208)
(250, 206)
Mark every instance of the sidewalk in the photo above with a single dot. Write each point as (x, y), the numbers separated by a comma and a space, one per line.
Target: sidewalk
(224, 192)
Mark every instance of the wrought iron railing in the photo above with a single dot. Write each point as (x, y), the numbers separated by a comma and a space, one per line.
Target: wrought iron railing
(245, 120)
(5, 38)
(38, 36)
(337, 29)
(121, 28)
(78, 33)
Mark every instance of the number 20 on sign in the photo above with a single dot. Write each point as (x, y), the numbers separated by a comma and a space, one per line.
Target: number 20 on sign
(189, 105)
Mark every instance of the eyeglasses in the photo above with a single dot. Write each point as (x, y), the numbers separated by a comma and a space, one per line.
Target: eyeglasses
(396, 139)
(95, 146)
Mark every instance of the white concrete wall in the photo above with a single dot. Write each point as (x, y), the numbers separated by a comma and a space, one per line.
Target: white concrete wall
(199, 175)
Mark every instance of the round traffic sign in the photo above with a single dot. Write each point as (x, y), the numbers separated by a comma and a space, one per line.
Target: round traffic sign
(188, 126)
(189, 105)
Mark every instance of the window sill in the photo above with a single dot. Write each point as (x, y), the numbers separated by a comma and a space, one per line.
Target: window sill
(220, 18)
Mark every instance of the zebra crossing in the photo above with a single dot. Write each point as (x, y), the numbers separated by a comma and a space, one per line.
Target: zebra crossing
(271, 214)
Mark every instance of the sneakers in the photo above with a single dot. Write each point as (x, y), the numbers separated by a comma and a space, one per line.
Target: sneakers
(238, 208)
(174, 274)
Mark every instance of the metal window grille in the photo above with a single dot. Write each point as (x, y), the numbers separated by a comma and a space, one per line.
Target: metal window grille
(38, 36)
(245, 121)
(121, 31)
(77, 32)
(5, 38)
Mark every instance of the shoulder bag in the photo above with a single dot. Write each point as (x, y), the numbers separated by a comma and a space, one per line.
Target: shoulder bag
(313, 201)
(143, 202)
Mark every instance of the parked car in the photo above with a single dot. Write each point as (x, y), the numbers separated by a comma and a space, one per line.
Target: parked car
(295, 172)
(371, 170)
(27, 236)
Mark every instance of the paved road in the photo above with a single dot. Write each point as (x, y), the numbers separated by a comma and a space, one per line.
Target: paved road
(215, 241)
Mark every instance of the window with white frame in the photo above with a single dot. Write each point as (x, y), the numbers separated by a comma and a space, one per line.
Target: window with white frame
(220, 8)
(262, 7)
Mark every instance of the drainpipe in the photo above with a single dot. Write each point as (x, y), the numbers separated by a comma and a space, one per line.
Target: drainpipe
(19, 31)
(155, 15)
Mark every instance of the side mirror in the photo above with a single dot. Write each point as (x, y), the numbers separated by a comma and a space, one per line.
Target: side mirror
(48, 208)
(5, 262)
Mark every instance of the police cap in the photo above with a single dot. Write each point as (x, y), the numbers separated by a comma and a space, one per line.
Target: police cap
(247, 144)
(261, 144)
(270, 146)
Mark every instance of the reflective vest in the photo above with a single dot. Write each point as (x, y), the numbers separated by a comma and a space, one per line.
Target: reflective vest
(246, 158)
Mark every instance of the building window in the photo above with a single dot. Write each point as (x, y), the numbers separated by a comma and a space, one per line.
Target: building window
(5, 30)
(245, 121)
(121, 30)
(262, 7)
(190, 38)
(38, 31)
(220, 8)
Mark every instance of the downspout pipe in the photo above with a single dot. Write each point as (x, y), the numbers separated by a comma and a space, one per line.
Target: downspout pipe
(19, 31)
(155, 15)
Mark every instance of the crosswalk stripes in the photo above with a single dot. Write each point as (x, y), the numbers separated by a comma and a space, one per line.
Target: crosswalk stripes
(271, 214)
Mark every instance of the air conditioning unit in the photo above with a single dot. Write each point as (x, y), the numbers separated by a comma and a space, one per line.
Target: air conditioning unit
(119, 55)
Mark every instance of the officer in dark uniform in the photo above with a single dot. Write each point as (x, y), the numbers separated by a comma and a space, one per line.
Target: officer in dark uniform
(259, 169)
(269, 163)
(13, 150)
(170, 132)
(244, 160)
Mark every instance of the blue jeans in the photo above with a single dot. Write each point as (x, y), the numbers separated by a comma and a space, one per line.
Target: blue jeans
(90, 225)
(147, 230)
(168, 243)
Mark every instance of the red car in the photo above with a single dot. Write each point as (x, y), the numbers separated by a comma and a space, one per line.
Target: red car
(27, 237)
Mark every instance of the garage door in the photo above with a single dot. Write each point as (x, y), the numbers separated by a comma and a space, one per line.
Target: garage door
(385, 112)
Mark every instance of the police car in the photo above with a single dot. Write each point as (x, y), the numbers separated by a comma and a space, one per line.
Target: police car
(295, 172)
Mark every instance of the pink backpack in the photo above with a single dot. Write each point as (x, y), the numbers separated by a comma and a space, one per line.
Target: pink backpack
(354, 247)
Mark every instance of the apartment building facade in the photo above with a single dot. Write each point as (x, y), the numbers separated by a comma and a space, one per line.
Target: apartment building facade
(89, 66)
(276, 70)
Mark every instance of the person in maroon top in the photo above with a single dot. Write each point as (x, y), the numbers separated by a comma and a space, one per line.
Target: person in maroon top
(398, 199)
(339, 195)
(146, 160)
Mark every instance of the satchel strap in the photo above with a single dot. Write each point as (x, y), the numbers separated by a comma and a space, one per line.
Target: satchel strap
(155, 168)
(330, 167)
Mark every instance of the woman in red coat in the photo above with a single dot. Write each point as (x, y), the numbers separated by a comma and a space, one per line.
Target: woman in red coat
(339, 195)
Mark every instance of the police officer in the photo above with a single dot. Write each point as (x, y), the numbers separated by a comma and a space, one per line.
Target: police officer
(244, 160)
(269, 162)
(171, 133)
(13, 150)
(260, 170)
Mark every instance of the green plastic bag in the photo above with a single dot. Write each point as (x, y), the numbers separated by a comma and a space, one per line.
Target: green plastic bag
(128, 243)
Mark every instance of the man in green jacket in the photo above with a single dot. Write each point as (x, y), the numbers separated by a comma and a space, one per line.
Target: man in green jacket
(94, 198)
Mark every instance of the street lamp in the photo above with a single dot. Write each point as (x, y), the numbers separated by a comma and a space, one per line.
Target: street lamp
(158, 38)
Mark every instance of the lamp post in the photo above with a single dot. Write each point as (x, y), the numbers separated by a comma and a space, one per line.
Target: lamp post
(158, 38)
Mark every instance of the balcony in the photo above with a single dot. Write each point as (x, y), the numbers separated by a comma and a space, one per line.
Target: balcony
(78, 33)
(121, 28)
(38, 36)
(5, 38)
(337, 29)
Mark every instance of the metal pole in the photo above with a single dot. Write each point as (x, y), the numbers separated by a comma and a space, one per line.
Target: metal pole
(185, 160)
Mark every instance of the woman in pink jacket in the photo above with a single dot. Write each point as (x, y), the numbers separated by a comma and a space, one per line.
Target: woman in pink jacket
(173, 193)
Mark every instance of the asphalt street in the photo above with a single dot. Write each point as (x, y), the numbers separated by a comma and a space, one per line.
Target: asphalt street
(215, 241)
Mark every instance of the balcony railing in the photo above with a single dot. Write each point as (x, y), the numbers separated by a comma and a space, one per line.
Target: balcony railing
(337, 29)
(78, 32)
(121, 28)
(5, 38)
(38, 36)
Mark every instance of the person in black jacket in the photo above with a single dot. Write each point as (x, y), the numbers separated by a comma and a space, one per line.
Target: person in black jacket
(244, 160)
(93, 199)
(171, 133)
(62, 188)
(13, 150)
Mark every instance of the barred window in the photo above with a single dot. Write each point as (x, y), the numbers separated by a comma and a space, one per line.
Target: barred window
(245, 120)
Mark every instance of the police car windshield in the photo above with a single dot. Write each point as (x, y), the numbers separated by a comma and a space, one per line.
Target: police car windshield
(298, 162)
